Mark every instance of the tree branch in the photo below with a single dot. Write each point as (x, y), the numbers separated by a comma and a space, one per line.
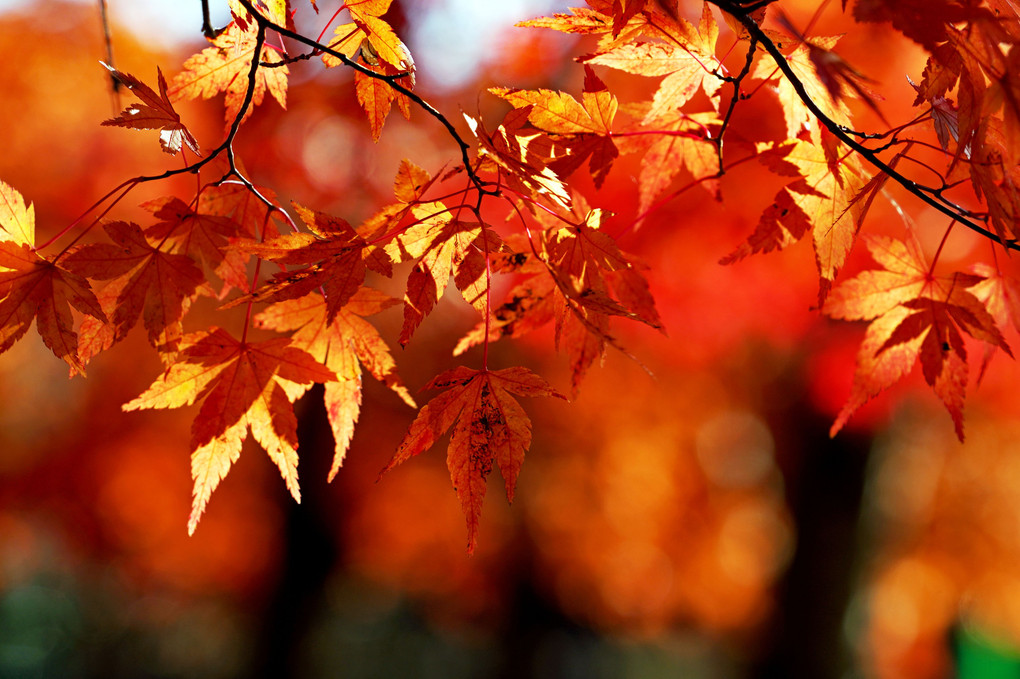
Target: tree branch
(207, 30)
(946, 207)
(390, 80)
(736, 81)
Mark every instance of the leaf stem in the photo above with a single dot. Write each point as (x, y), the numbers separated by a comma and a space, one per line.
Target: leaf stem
(938, 251)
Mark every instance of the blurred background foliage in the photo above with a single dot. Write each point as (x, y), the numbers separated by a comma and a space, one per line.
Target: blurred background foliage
(698, 523)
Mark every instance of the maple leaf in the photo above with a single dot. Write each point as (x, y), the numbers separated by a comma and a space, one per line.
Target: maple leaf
(572, 280)
(944, 117)
(277, 11)
(624, 11)
(409, 186)
(581, 20)
(524, 157)
(579, 256)
(17, 221)
(202, 236)
(530, 303)
(587, 266)
(343, 345)
(587, 123)
(335, 255)
(940, 74)
(802, 61)
(35, 288)
(923, 21)
(675, 144)
(370, 34)
(225, 67)
(242, 385)
(823, 200)
(686, 65)
(154, 113)
(244, 208)
(757, 16)
(376, 97)
(1000, 294)
(147, 282)
(411, 182)
(915, 316)
(838, 77)
(441, 246)
(489, 426)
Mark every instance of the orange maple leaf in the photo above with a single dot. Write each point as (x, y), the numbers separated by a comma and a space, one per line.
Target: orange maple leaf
(236, 202)
(687, 64)
(154, 113)
(675, 144)
(242, 385)
(373, 36)
(530, 303)
(915, 316)
(923, 21)
(277, 11)
(335, 255)
(583, 128)
(581, 20)
(144, 281)
(409, 186)
(579, 278)
(441, 246)
(581, 256)
(377, 96)
(802, 62)
(35, 288)
(824, 201)
(488, 426)
(624, 11)
(523, 155)
(1001, 296)
(225, 66)
(343, 345)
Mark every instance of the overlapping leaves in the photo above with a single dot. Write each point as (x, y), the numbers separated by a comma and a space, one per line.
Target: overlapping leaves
(242, 386)
(915, 317)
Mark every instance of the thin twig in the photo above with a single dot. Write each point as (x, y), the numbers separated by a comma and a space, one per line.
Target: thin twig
(926, 194)
(104, 17)
(207, 29)
(390, 80)
(718, 141)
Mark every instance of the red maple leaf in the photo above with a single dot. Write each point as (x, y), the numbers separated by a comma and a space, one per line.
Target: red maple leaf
(686, 58)
(488, 426)
(143, 281)
(32, 287)
(335, 256)
(154, 113)
(35, 288)
(202, 236)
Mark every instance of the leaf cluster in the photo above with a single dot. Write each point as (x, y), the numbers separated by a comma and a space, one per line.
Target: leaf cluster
(560, 257)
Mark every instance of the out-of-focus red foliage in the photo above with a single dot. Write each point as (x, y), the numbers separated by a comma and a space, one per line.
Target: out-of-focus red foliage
(649, 503)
